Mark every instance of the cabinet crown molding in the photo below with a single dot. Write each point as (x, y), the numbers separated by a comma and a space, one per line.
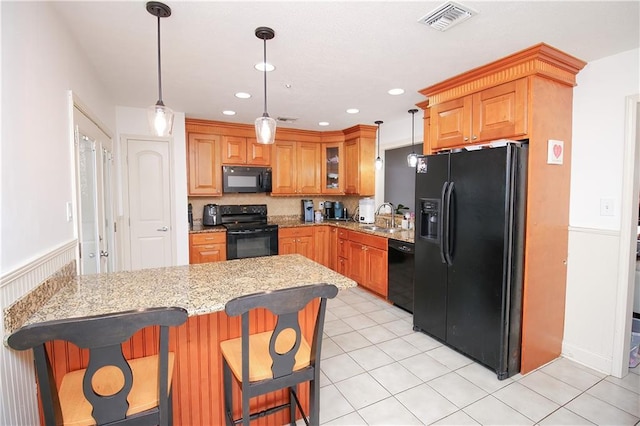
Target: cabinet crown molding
(540, 59)
(283, 134)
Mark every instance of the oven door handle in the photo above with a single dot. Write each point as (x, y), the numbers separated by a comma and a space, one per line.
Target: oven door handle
(249, 231)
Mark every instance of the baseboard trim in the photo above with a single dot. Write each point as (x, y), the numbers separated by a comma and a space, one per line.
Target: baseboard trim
(590, 359)
(609, 232)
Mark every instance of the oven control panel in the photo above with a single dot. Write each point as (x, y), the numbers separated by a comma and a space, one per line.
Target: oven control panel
(244, 209)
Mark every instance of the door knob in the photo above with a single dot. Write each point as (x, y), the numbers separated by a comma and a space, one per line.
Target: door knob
(92, 255)
(163, 229)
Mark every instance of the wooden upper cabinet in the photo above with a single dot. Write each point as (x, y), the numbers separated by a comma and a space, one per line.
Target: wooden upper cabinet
(495, 113)
(285, 176)
(296, 168)
(426, 143)
(360, 176)
(332, 168)
(241, 150)
(308, 165)
(204, 166)
(501, 111)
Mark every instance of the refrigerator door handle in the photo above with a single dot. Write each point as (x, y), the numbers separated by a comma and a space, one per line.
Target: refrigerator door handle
(441, 219)
(448, 228)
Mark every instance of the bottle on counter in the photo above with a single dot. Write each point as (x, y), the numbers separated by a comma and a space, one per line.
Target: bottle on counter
(405, 221)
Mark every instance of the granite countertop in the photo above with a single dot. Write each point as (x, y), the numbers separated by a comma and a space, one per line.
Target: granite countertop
(406, 235)
(200, 289)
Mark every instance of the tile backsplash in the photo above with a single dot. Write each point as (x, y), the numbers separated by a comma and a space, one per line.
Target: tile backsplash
(276, 206)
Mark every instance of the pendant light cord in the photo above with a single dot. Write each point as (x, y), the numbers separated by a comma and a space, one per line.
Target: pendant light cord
(413, 125)
(264, 64)
(159, 67)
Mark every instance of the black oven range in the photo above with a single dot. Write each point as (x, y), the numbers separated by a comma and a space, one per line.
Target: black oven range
(248, 233)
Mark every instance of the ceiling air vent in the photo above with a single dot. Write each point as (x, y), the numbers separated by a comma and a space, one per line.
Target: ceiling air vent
(286, 119)
(446, 16)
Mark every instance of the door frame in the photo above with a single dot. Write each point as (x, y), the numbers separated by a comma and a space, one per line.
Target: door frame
(74, 103)
(628, 236)
(124, 220)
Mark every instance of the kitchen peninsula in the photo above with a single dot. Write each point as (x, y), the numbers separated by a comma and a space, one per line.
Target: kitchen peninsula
(202, 290)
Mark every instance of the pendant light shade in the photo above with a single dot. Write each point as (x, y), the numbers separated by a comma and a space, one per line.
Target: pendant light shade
(265, 125)
(160, 117)
(378, 159)
(412, 159)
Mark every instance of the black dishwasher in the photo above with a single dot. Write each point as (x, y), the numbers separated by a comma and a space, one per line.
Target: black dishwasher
(400, 273)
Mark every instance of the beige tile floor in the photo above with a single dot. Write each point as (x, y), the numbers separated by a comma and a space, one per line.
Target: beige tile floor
(377, 371)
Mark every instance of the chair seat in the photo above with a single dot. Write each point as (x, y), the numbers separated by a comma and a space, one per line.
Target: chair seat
(76, 410)
(259, 358)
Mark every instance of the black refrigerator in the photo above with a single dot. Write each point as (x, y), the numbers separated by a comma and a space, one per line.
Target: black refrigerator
(469, 250)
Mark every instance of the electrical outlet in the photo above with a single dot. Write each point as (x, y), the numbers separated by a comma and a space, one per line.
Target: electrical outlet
(606, 207)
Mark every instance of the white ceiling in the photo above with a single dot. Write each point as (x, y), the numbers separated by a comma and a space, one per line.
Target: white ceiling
(334, 54)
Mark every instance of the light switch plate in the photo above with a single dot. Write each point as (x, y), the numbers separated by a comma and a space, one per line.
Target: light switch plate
(69, 211)
(606, 207)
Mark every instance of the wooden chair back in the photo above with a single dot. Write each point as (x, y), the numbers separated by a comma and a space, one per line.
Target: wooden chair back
(103, 336)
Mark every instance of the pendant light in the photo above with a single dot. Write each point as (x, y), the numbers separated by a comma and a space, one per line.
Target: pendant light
(412, 159)
(265, 125)
(378, 160)
(160, 117)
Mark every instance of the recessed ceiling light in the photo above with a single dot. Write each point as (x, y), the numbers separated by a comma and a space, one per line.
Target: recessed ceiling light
(323, 123)
(397, 91)
(353, 110)
(243, 95)
(228, 112)
(261, 66)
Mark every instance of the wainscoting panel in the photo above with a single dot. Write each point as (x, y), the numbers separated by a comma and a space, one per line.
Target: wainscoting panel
(591, 297)
(19, 405)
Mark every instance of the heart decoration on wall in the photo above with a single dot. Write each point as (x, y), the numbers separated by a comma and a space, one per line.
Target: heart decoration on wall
(555, 152)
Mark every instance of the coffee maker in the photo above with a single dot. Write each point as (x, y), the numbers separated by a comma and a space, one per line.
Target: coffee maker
(307, 210)
(329, 212)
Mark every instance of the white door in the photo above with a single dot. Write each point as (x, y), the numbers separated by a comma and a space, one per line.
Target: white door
(151, 242)
(96, 233)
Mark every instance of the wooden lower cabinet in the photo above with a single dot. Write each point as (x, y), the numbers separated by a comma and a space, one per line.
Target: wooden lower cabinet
(363, 258)
(333, 248)
(197, 375)
(207, 247)
(342, 253)
(297, 240)
(321, 244)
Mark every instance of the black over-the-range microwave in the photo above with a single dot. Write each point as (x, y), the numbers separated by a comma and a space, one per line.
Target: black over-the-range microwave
(246, 179)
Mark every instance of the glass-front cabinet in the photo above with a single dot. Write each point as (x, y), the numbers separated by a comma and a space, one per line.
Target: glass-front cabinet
(332, 168)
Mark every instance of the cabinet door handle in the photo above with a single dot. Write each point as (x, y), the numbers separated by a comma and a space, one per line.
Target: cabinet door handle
(474, 137)
(466, 138)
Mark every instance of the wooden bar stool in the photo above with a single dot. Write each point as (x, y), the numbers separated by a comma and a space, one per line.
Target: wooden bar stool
(111, 390)
(278, 359)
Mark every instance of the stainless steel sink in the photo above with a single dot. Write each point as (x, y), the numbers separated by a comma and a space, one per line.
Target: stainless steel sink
(380, 229)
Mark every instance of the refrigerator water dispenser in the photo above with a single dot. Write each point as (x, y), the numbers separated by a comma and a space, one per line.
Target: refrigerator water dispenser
(429, 219)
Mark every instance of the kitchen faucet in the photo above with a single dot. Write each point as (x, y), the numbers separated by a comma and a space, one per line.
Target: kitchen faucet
(393, 213)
